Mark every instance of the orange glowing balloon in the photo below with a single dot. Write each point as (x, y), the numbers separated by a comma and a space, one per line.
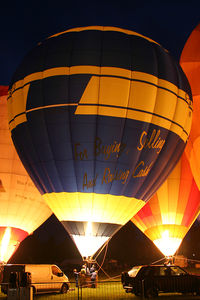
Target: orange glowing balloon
(22, 207)
(170, 213)
(190, 62)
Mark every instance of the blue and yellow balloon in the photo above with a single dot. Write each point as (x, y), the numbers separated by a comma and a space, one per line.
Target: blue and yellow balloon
(99, 116)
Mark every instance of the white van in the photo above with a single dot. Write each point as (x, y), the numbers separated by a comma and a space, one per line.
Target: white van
(43, 278)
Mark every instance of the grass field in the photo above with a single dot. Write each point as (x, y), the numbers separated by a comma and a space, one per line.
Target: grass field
(104, 291)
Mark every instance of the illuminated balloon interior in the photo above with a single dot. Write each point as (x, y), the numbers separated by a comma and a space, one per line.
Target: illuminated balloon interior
(10, 239)
(5, 245)
(166, 244)
(89, 243)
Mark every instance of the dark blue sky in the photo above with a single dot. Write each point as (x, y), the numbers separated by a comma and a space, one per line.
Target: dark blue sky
(24, 23)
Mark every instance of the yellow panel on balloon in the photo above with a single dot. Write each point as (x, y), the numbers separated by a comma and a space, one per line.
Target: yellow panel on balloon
(90, 207)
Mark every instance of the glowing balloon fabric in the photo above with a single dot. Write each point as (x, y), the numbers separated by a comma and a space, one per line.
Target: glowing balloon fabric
(169, 214)
(99, 117)
(22, 208)
(190, 62)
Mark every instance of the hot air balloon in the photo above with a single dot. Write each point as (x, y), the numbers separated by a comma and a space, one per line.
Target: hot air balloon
(22, 208)
(170, 213)
(99, 117)
(190, 62)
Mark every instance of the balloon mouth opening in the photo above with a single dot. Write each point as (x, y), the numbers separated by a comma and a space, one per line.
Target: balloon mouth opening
(90, 236)
(10, 239)
(89, 243)
(168, 245)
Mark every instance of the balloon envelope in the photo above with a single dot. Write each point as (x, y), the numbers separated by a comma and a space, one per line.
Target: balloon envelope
(169, 214)
(99, 117)
(22, 208)
(190, 62)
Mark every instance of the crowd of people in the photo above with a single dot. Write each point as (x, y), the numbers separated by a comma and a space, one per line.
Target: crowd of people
(87, 277)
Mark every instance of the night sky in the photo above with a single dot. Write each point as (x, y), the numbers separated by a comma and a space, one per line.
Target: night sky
(24, 24)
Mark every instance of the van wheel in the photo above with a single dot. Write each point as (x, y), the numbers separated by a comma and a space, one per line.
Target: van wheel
(64, 288)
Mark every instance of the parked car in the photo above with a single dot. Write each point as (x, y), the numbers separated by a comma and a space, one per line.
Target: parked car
(43, 278)
(149, 280)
